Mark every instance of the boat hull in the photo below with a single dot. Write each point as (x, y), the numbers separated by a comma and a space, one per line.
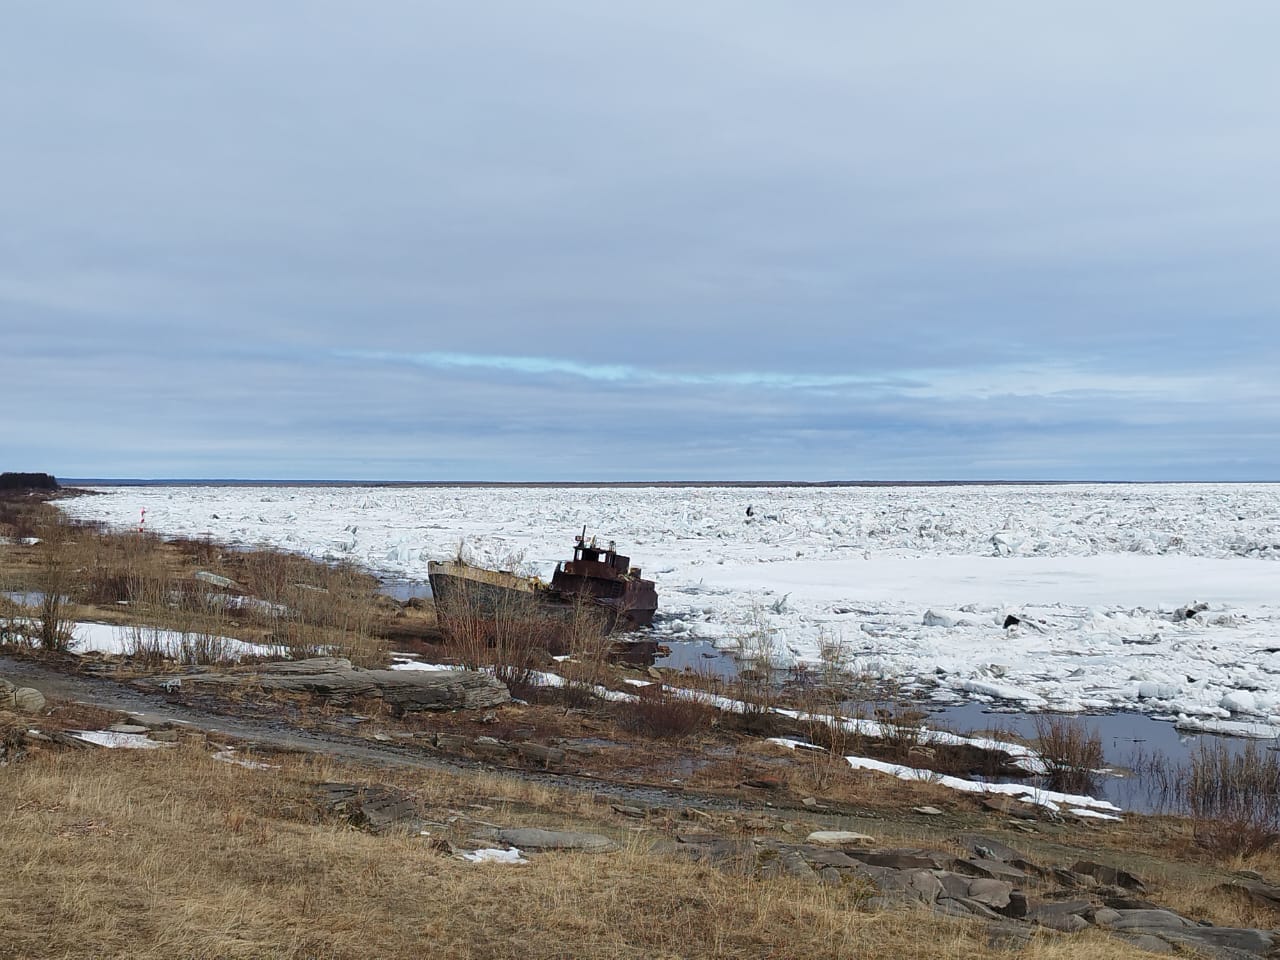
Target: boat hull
(460, 586)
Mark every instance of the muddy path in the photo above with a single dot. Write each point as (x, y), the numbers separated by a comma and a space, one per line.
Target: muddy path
(279, 734)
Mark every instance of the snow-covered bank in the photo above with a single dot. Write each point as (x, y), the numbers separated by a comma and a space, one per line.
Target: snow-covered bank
(108, 638)
(911, 583)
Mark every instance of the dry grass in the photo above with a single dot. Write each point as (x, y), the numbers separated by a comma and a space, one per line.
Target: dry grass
(299, 605)
(170, 854)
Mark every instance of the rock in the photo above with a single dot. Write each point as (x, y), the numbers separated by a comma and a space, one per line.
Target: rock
(1069, 879)
(28, 699)
(991, 869)
(1224, 939)
(1252, 888)
(925, 886)
(1060, 908)
(533, 838)
(974, 908)
(1129, 903)
(793, 864)
(1108, 875)
(1008, 936)
(1147, 942)
(547, 756)
(950, 907)
(902, 859)
(375, 807)
(927, 811)
(831, 877)
(403, 690)
(737, 857)
(216, 580)
(811, 802)
(829, 858)
(953, 885)
(986, 848)
(835, 838)
(627, 811)
(164, 736)
(1016, 908)
(994, 893)
(764, 783)
(1143, 919)
(1063, 923)
(1010, 808)
(128, 728)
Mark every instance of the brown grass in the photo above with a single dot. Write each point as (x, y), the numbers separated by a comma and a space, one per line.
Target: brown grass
(302, 606)
(170, 854)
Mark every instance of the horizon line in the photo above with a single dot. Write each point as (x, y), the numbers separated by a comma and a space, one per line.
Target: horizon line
(247, 481)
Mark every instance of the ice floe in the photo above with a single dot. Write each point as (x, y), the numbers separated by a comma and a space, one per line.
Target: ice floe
(1158, 598)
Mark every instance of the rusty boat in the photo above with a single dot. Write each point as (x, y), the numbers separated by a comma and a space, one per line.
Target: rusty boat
(599, 576)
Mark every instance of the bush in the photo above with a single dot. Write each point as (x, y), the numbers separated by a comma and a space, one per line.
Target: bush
(1071, 751)
(660, 713)
(1233, 795)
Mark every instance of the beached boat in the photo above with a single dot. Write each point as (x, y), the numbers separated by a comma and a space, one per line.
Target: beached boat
(599, 576)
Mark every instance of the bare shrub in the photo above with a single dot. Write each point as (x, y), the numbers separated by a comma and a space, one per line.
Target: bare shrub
(1233, 795)
(901, 732)
(1071, 751)
(503, 632)
(667, 715)
(53, 625)
(148, 645)
(755, 685)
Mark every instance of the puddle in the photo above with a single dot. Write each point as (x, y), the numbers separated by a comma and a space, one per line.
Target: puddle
(403, 590)
(24, 598)
(698, 656)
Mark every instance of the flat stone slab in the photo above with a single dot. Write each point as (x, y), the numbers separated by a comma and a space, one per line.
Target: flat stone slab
(403, 690)
(836, 838)
(1144, 919)
(533, 838)
(1112, 876)
(986, 848)
(990, 869)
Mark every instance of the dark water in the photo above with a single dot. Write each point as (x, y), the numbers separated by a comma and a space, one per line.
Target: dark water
(403, 590)
(25, 598)
(698, 656)
(1130, 742)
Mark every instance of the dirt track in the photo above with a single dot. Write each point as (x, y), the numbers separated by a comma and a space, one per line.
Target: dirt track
(280, 735)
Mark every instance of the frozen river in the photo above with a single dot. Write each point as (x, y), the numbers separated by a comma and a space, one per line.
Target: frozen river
(915, 583)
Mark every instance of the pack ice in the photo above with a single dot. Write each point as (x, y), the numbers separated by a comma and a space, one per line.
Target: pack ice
(1159, 598)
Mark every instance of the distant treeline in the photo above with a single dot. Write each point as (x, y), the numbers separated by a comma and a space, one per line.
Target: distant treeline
(27, 481)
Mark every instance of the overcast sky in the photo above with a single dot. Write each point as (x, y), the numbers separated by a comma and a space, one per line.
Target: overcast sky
(585, 240)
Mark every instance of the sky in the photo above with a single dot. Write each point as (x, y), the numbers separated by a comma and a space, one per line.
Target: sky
(411, 240)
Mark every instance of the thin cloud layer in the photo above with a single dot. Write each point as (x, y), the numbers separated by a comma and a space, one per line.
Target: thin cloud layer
(419, 241)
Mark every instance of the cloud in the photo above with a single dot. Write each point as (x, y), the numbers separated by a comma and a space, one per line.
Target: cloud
(612, 373)
(823, 240)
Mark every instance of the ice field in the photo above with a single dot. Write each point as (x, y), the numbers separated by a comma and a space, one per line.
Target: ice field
(915, 583)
